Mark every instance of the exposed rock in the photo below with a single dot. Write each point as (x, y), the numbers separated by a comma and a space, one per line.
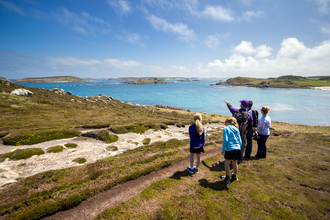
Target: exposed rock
(72, 100)
(8, 182)
(10, 174)
(21, 92)
(69, 93)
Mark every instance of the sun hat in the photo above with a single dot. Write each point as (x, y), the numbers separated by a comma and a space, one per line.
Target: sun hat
(245, 102)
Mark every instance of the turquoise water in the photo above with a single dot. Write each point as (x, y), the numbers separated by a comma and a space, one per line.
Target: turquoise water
(298, 106)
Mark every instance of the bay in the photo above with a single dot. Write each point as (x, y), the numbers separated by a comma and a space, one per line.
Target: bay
(297, 106)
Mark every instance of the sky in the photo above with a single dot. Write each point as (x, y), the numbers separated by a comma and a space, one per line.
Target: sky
(164, 38)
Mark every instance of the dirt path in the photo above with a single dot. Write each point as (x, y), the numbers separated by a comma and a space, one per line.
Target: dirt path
(96, 204)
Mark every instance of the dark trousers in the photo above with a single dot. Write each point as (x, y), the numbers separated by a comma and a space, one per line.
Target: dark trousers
(243, 137)
(248, 149)
(262, 148)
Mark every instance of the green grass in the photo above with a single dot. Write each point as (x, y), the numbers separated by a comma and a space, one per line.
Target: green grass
(55, 149)
(3, 134)
(71, 145)
(79, 160)
(102, 135)
(20, 154)
(292, 183)
(38, 137)
(51, 191)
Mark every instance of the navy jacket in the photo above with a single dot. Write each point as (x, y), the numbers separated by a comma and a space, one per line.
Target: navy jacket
(196, 140)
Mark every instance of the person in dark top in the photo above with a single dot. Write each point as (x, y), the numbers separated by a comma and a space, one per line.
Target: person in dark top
(251, 129)
(197, 142)
(235, 112)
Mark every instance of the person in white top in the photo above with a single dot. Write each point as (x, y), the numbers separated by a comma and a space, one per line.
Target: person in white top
(263, 132)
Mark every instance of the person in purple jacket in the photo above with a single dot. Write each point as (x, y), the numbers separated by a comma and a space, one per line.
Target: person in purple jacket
(197, 141)
(242, 111)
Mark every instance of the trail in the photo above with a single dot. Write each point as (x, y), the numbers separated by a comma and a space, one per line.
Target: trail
(91, 207)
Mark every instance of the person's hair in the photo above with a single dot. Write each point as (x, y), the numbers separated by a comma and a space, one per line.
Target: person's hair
(265, 109)
(232, 121)
(251, 103)
(198, 121)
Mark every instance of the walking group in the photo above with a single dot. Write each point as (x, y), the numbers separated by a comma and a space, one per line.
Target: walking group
(241, 128)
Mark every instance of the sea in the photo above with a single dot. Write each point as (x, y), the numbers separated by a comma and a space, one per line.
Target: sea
(297, 106)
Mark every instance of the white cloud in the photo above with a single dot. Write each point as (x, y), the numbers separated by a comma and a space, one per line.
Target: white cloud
(293, 58)
(136, 39)
(83, 23)
(218, 13)
(263, 51)
(180, 29)
(122, 6)
(323, 6)
(71, 61)
(212, 41)
(252, 14)
(11, 6)
(291, 47)
(122, 64)
(325, 28)
(180, 68)
(245, 48)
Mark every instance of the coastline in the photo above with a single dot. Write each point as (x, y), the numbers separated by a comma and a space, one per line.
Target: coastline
(325, 88)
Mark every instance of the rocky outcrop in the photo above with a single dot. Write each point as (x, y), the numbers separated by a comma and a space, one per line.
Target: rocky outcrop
(21, 92)
(4, 79)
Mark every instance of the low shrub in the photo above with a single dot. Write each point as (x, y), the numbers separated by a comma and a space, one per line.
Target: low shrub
(39, 137)
(102, 135)
(96, 126)
(71, 145)
(20, 154)
(146, 141)
(55, 149)
(79, 160)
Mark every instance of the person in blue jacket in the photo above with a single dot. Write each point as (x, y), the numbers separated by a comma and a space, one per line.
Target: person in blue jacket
(197, 141)
(231, 147)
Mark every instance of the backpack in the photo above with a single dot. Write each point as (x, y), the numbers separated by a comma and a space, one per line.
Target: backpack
(242, 118)
(255, 116)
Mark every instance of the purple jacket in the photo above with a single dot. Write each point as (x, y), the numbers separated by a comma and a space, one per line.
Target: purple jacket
(234, 110)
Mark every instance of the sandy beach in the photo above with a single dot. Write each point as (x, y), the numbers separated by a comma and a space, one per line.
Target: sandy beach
(322, 88)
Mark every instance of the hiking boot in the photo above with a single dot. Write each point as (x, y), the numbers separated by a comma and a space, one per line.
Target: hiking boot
(234, 177)
(226, 179)
(195, 170)
(190, 170)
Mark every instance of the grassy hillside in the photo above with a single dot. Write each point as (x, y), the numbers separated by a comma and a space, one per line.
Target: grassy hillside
(50, 79)
(293, 182)
(280, 82)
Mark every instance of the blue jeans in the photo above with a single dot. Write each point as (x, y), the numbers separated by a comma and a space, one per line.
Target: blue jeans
(262, 148)
(248, 149)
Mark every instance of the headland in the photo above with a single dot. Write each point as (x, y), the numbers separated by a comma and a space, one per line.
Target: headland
(295, 82)
(51, 79)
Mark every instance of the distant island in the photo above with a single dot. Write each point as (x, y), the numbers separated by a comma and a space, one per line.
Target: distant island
(51, 79)
(144, 81)
(289, 81)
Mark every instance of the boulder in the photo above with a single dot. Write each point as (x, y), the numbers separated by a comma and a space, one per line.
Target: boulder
(69, 93)
(21, 92)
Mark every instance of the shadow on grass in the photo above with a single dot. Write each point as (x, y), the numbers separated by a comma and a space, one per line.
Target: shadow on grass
(178, 175)
(218, 186)
(215, 167)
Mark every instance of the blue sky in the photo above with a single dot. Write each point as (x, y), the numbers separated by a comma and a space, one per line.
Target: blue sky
(188, 38)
